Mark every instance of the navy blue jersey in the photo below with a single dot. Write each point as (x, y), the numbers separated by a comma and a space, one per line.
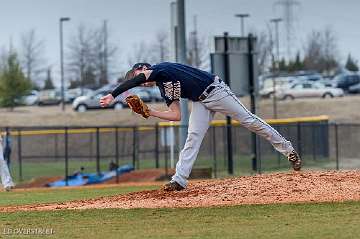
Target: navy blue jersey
(177, 81)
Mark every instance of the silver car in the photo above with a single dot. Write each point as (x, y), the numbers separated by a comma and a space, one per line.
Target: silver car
(83, 103)
(308, 89)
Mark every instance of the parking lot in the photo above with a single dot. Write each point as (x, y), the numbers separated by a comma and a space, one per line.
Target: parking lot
(340, 109)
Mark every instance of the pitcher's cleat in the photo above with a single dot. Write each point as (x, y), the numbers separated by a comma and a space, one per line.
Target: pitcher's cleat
(172, 186)
(295, 160)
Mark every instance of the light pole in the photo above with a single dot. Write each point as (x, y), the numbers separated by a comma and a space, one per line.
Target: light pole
(61, 20)
(276, 22)
(277, 60)
(242, 16)
(181, 54)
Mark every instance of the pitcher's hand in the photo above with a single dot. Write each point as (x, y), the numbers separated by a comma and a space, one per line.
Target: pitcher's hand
(106, 100)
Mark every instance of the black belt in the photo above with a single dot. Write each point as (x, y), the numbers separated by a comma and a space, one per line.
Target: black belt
(208, 91)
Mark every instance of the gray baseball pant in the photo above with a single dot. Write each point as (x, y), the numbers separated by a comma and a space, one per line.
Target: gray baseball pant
(221, 99)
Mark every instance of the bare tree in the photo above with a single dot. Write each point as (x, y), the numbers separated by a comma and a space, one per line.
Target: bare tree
(140, 53)
(160, 48)
(104, 54)
(321, 51)
(31, 55)
(198, 51)
(80, 56)
(265, 49)
(330, 49)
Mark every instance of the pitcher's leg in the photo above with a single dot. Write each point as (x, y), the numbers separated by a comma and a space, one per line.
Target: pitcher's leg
(231, 105)
(200, 118)
(260, 127)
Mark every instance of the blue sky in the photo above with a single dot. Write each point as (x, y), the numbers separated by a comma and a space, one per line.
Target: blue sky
(132, 21)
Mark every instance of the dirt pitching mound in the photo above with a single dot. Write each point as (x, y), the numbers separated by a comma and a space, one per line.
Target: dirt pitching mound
(305, 186)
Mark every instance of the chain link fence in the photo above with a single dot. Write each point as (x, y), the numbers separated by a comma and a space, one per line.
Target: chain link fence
(60, 151)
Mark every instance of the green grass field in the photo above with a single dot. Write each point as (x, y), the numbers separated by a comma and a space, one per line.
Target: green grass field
(325, 220)
(48, 195)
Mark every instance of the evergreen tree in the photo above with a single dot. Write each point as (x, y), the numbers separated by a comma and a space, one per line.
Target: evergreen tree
(48, 82)
(351, 64)
(298, 64)
(282, 65)
(13, 83)
(35, 86)
(74, 84)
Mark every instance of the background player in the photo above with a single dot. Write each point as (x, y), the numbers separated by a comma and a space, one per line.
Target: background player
(6, 179)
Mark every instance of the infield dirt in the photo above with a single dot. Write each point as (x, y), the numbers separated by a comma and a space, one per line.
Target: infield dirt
(293, 187)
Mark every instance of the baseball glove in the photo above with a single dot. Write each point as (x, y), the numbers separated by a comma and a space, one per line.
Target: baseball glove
(137, 105)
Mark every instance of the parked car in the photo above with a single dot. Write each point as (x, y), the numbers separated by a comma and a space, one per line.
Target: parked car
(308, 89)
(139, 91)
(154, 92)
(327, 82)
(72, 94)
(49, 97)
(268, 88)
(345, 81)
(309, 77)
(86, 102)
(354, 89)
(108, 87)
(31, 98)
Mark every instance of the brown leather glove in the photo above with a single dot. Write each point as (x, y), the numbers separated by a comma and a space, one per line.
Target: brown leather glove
(138, 106)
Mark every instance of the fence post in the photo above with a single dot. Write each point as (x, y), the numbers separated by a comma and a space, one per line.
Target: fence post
(66, 156)
(258, 152)
(313, 127)
(157, 145)
(225, 148)
(299, 139)
(135, 142)
(56, 148)
(19, 155)
(277, 127)
(97, 150)
(117, 152)
(166, 149)
(214, 150)
(337, 146)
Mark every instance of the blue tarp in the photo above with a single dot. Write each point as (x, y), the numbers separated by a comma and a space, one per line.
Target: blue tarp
(80, 179)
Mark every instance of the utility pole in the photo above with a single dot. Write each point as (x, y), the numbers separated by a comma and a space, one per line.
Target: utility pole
(105, 62)
(173, 31)
(181, 53)
(196, 47)
(277, 60)
(252, 91)
(242, 16)
(61, 20)
(276, 22)
(289, 19)
(228, 118)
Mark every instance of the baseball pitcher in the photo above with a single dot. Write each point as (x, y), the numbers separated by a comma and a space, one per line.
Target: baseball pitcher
(208, 94)
(6, 179)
